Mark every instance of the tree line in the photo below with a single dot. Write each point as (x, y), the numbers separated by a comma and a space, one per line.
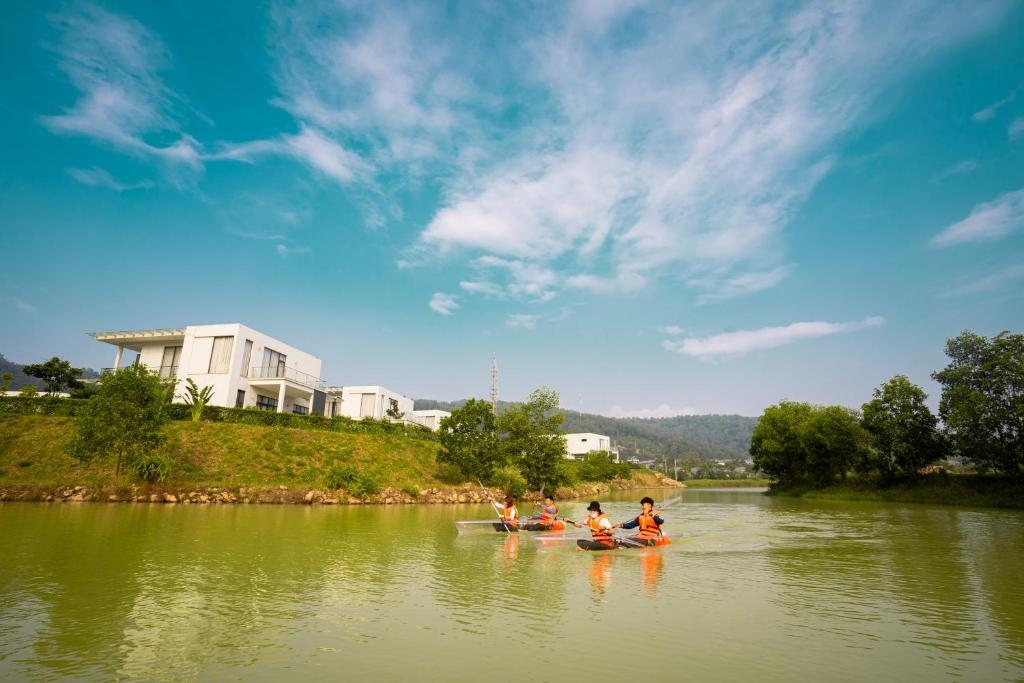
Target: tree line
(981, 420)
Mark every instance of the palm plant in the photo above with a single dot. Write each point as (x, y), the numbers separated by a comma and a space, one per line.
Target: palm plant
(197, 398)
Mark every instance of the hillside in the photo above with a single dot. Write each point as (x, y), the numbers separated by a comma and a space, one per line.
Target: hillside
(706, 437)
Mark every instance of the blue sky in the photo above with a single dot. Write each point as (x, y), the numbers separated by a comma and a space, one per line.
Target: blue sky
(654, 208)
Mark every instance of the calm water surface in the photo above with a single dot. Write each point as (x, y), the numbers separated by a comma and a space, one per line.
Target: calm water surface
(752, 587)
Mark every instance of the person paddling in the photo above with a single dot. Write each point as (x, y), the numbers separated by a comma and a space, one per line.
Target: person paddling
(600, 528)
(548, 512)
(509, 512)
(649, 520)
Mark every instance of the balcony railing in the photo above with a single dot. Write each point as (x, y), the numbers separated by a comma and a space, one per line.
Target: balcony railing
(290, 374)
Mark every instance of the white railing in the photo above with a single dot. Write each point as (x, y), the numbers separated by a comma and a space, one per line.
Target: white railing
(290, 374)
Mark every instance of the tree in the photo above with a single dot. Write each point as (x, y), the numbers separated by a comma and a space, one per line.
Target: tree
(777, 444)
(28, 390)
(903, 430)
(982, 401)
(470, 441)
(196, 398)
(56, 374)
(5, 382)
(125, 419)
(532, 440)
(393, 412)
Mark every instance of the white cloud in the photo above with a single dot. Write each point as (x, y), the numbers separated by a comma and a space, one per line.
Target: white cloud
(663, 410)
(966, 166)
(740, 285)
(1016, 129)
(114, 62)
(987, 221)
(521, 321)
(745, 341)
(445, 304)
(310, 146)
(673, 330)
(286, 251)
(482, 287)
(97, 177)
(989, 112)
(995, 281)
(22, 305)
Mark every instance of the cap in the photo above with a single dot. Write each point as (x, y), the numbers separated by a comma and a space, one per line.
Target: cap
(594, 505)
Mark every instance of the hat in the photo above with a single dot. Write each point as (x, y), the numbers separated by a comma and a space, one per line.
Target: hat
(594, 505)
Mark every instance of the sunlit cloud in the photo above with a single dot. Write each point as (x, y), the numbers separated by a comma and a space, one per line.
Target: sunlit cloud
(987, 221)
(97, 177)
(745, 341)
(663, 410)
(673, 330)
(442, 303)
(996, 281)
(521, 321)
(989, 112)
(286, 251)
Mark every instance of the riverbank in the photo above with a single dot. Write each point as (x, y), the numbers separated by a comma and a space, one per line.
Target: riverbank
(963, 490)
(217, 463)
(726, 483)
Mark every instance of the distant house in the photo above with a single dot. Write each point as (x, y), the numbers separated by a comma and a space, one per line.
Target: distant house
(373, 401)
(246, 368)
(430, 418)
(578, 445)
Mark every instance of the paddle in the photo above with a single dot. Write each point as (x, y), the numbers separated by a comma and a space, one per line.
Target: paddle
(495, 506)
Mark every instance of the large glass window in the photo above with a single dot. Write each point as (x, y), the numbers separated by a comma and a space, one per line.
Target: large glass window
(273, 363)
(169, 363)
(240, 399)
(266, 402)
(220, 356)
(246, 357)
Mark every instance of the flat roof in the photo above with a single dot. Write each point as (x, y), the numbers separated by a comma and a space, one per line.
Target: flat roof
(120, 338)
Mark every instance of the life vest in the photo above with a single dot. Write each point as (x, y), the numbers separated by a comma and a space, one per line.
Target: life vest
(510, 515)
(601, 534)
(547, 517)
(648, 527)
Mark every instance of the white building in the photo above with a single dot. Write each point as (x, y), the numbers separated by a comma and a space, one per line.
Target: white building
(358, 402)
(244, 367)
(430, 419)
(578, 445)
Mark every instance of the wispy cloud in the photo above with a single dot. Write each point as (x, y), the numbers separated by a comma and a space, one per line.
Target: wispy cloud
(987, 221)
(521, 321)
(286, 251)
(310, 146)
(97, 177)
(989, 112)
(673, 330)
(114, 62)
(990, 283)
(445, 304)
(740, 285)
(745, 341)
(663, 410)
(22, 305)
(966, 166)
(1016, 129)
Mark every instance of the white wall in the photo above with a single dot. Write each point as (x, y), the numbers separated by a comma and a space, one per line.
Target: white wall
(583, 443)
(429, 418)
(354, 406)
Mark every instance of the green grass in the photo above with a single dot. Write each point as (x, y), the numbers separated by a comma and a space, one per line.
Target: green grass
(969, 490)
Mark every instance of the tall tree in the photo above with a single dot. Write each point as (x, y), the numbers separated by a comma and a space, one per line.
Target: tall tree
(777, 443)
(125, 419)
(470, 441)
(56, 374)
(903, 430)
(982, 401)
(532, 439)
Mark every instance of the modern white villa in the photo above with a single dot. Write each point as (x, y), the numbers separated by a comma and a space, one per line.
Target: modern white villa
(359, 402)
(244, 367)
(578, 445)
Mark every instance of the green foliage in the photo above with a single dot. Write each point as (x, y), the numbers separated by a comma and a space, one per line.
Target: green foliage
(982, 401)
(532, 439)
(599, 466)
(124, 420)
(509, 480)
(29, 390)
(56, 374)
(40, 405)
(84, 391)
(355, 482)
(151, 467)
(197, 399)
(5, 382)
(795, 442)
(393, 413)
(904, 432)
(470, 440)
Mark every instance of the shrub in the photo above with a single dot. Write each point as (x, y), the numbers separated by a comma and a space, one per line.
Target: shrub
(152, 467)
(600, 466)
(355, 482)
(510, 481)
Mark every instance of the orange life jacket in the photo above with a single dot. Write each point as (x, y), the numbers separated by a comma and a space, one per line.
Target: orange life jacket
(601, 534)
(648, 527)
(546, 516)
(510, 515)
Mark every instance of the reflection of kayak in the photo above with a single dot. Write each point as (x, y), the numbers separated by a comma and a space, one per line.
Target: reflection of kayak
(471, 525)
(587, 542)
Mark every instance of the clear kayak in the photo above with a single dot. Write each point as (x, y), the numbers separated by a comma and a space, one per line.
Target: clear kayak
(586, 542)
(494, 526)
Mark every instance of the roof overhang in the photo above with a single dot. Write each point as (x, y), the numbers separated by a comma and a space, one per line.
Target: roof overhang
(134, 339)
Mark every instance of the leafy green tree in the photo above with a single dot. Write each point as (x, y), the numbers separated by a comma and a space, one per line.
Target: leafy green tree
(124, 421)
(470, 441)
(982, 401)
(903, 430)
(29, 390)
(197, 399)
(393, 412)
(532, 440)
(56, 374)
(777, 443)
(5, 382)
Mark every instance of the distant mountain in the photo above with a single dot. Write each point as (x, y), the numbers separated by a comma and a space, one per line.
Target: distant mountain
(706, 437)
(21, 379)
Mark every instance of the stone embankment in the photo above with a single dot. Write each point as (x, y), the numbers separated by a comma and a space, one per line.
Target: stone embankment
(214, 495)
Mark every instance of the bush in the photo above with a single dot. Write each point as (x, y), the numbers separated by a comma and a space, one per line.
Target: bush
(510, 481)
(355, 482)
(599, 466)
(152, 467)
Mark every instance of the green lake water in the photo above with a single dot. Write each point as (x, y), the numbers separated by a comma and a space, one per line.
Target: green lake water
(752, 588)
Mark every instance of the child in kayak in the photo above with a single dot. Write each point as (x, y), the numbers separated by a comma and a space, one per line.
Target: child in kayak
(600, 528)
(546, 520)
(509, 513)
(649, 520)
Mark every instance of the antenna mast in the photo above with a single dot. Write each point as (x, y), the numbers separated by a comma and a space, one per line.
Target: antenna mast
(494, 384)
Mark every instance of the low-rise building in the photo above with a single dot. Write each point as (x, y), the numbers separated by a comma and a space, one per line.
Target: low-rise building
(359, 402)
(578, 445)
(246, 368)
(431, 419)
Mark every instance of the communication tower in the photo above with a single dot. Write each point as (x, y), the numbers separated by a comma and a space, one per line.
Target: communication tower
(494, 384)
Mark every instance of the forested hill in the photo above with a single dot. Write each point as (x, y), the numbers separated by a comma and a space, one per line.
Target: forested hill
(704, 436)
